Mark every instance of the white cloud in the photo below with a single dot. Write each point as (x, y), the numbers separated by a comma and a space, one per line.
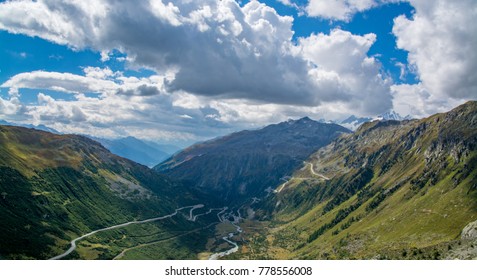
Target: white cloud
(96, 80)
(342, 10)
(441, 45)
(70, 24)
(441, 42)
(248, 114)
(146, 117)
(168, 13)
(343, 71)
(64, 82)
(99, 73)
(159, 116)
(286, 2)
(11, 107)
(214, 48)
(220, 67)
(126, 106)
(104, 56)
(416, 101)
(338, 9)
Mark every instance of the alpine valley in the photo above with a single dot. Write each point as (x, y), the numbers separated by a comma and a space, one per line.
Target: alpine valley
(55, 188)
(299, 189)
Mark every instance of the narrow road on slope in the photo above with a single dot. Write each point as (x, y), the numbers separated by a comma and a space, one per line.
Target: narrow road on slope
(73, 243)
(192, 217)
(316, 174)
(312, 170)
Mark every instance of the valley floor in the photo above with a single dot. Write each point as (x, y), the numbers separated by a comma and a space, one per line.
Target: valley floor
(215, 237)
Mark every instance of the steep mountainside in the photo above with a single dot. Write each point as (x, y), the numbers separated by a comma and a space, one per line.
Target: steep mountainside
(391, 190)
(247, 163)
(54, 188)
(135, 150)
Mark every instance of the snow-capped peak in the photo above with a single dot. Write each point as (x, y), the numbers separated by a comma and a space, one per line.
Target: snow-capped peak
(391, 115)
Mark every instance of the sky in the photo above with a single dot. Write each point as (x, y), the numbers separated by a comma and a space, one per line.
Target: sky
(182, 71)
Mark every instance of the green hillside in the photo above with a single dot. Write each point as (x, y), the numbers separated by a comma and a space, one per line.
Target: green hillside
(390, 190)
(54, 188)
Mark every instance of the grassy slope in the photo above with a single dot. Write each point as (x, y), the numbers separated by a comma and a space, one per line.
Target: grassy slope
(57, 187)
(420, 195)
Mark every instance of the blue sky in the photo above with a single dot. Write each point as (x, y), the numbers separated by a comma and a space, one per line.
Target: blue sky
(179, 72)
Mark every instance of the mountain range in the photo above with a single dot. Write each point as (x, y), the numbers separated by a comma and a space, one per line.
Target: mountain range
(391, 190)
(38, 127)
(301, 189)
(353, 122)
(146, 153)
(249, 163)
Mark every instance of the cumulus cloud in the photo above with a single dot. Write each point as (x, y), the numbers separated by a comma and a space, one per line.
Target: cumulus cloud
(338, 9)
(217, 47)
(95, 80)
(415, 100)
(344, 72)
(52, 111)
(11, 107)
(63, 82)
(286, 2)
(244, 55)
(441, 43)
(248, 114)
(65, 23)
(214, 48)
(126, 106)
(220, 67)
(341, 10)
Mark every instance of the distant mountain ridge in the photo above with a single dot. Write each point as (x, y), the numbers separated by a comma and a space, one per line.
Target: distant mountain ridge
(247, 163)
(38, 127)
(393, 116)
(146, 153)
(353, 122)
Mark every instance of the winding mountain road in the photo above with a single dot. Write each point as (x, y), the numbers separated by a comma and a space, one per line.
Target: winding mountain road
(73, 243)
(312, 170)
(192, 217)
